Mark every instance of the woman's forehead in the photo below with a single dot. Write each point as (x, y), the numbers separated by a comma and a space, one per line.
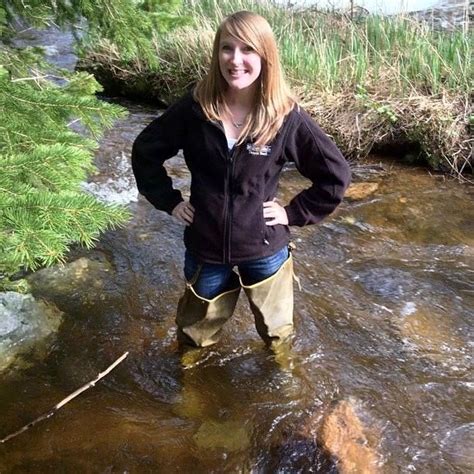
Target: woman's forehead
(228, 38)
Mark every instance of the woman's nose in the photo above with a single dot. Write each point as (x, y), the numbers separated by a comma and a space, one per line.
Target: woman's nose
(237, 56)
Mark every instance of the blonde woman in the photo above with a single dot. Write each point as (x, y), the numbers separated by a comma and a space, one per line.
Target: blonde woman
(237, 129)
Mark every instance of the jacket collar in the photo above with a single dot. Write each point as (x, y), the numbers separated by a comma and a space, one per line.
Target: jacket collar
(197, 110)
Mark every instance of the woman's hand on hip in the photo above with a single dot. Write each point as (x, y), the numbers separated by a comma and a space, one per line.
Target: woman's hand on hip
(184, 212)
(276, 213)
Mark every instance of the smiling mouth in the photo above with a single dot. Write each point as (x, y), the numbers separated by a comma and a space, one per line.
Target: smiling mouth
(237, 72)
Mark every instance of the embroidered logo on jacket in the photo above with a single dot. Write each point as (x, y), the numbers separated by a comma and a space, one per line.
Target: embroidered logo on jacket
(263, 150)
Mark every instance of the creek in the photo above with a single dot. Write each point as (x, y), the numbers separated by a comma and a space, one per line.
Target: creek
(383, 321)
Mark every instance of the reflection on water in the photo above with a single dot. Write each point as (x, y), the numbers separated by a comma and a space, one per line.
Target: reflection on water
(383, 323)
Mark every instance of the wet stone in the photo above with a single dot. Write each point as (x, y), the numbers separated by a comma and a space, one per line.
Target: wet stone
(345, 437)
(25, 324)
(299, 455)
(228, 435)
(83, 276)
(387, 282)
(458, 447)
(434, 334)
(359, 191)
(336, 442)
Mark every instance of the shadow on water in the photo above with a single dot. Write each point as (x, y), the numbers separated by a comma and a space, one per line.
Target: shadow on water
(382, 348)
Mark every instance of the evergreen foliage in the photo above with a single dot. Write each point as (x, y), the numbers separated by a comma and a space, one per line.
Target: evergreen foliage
(43, 161)
(130, 25)
(50, 120)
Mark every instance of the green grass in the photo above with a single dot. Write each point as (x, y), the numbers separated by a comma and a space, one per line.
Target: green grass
(372, 82)
(330, 53)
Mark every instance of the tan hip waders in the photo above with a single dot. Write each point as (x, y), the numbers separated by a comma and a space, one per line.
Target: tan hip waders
(200, 320)
(271, 302)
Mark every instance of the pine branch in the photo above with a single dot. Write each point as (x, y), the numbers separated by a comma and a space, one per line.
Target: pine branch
(56, 168)
(128, 24)
(43, 157)
(38, 228)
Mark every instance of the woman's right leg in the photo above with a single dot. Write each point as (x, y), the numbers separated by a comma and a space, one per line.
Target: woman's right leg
(208, 301)
(268, 284)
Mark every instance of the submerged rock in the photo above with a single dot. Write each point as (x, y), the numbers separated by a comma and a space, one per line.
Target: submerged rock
(389, 283)
(25, 325)
(458, 447)
(434, 335)
(337, 442)
(299, 455)
(344, 436)
(299, 451)
(358, 191)
(228, 435)
(83, 277)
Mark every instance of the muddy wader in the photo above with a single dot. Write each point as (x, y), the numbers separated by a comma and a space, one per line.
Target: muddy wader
(271, 302)
(200, 320)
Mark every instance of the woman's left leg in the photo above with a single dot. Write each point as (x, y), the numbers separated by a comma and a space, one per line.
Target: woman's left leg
(260, 269)
(268, 284)
(208, 301)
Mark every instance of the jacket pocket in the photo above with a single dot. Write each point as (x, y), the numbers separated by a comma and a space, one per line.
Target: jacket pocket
(207, 225)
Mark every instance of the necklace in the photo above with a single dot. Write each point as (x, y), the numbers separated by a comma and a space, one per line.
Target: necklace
(237, 124)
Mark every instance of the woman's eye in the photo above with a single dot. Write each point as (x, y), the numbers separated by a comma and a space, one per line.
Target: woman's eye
(248, 49)
(226, 47)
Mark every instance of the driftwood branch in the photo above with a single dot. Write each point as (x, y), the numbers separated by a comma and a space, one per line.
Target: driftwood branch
(63, 402)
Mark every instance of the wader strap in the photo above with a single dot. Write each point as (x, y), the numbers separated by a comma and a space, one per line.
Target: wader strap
(291, 248)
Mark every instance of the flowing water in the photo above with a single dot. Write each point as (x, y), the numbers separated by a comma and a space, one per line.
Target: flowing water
(383, 321)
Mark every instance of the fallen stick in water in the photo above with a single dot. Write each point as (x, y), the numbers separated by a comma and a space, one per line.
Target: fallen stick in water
(66, 400)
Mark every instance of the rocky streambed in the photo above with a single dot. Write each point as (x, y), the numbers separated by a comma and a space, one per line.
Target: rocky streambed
(377, 380)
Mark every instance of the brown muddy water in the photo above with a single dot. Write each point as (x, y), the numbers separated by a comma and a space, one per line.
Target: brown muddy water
(383, 323)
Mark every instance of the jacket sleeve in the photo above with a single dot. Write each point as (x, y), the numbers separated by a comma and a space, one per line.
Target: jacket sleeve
(317, 158)
(159, 141)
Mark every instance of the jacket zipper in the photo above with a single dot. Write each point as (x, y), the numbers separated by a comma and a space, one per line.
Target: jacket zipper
(228, 202)
(230, 167)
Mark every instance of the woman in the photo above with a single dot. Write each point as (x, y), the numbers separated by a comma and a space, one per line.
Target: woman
(237, 130)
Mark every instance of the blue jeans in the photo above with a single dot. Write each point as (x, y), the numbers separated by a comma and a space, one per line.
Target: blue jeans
(213, 279)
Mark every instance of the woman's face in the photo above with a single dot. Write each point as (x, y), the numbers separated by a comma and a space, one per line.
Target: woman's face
(240, 65)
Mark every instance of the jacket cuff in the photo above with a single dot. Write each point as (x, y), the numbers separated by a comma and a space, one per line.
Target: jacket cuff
(293, 216)
(170, 205)
(167, 204)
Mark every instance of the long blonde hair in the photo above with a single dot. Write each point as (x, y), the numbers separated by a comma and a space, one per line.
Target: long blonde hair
(273, 100)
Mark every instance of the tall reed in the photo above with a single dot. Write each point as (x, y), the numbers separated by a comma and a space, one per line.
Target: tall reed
(371, 82)
(322, 51)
